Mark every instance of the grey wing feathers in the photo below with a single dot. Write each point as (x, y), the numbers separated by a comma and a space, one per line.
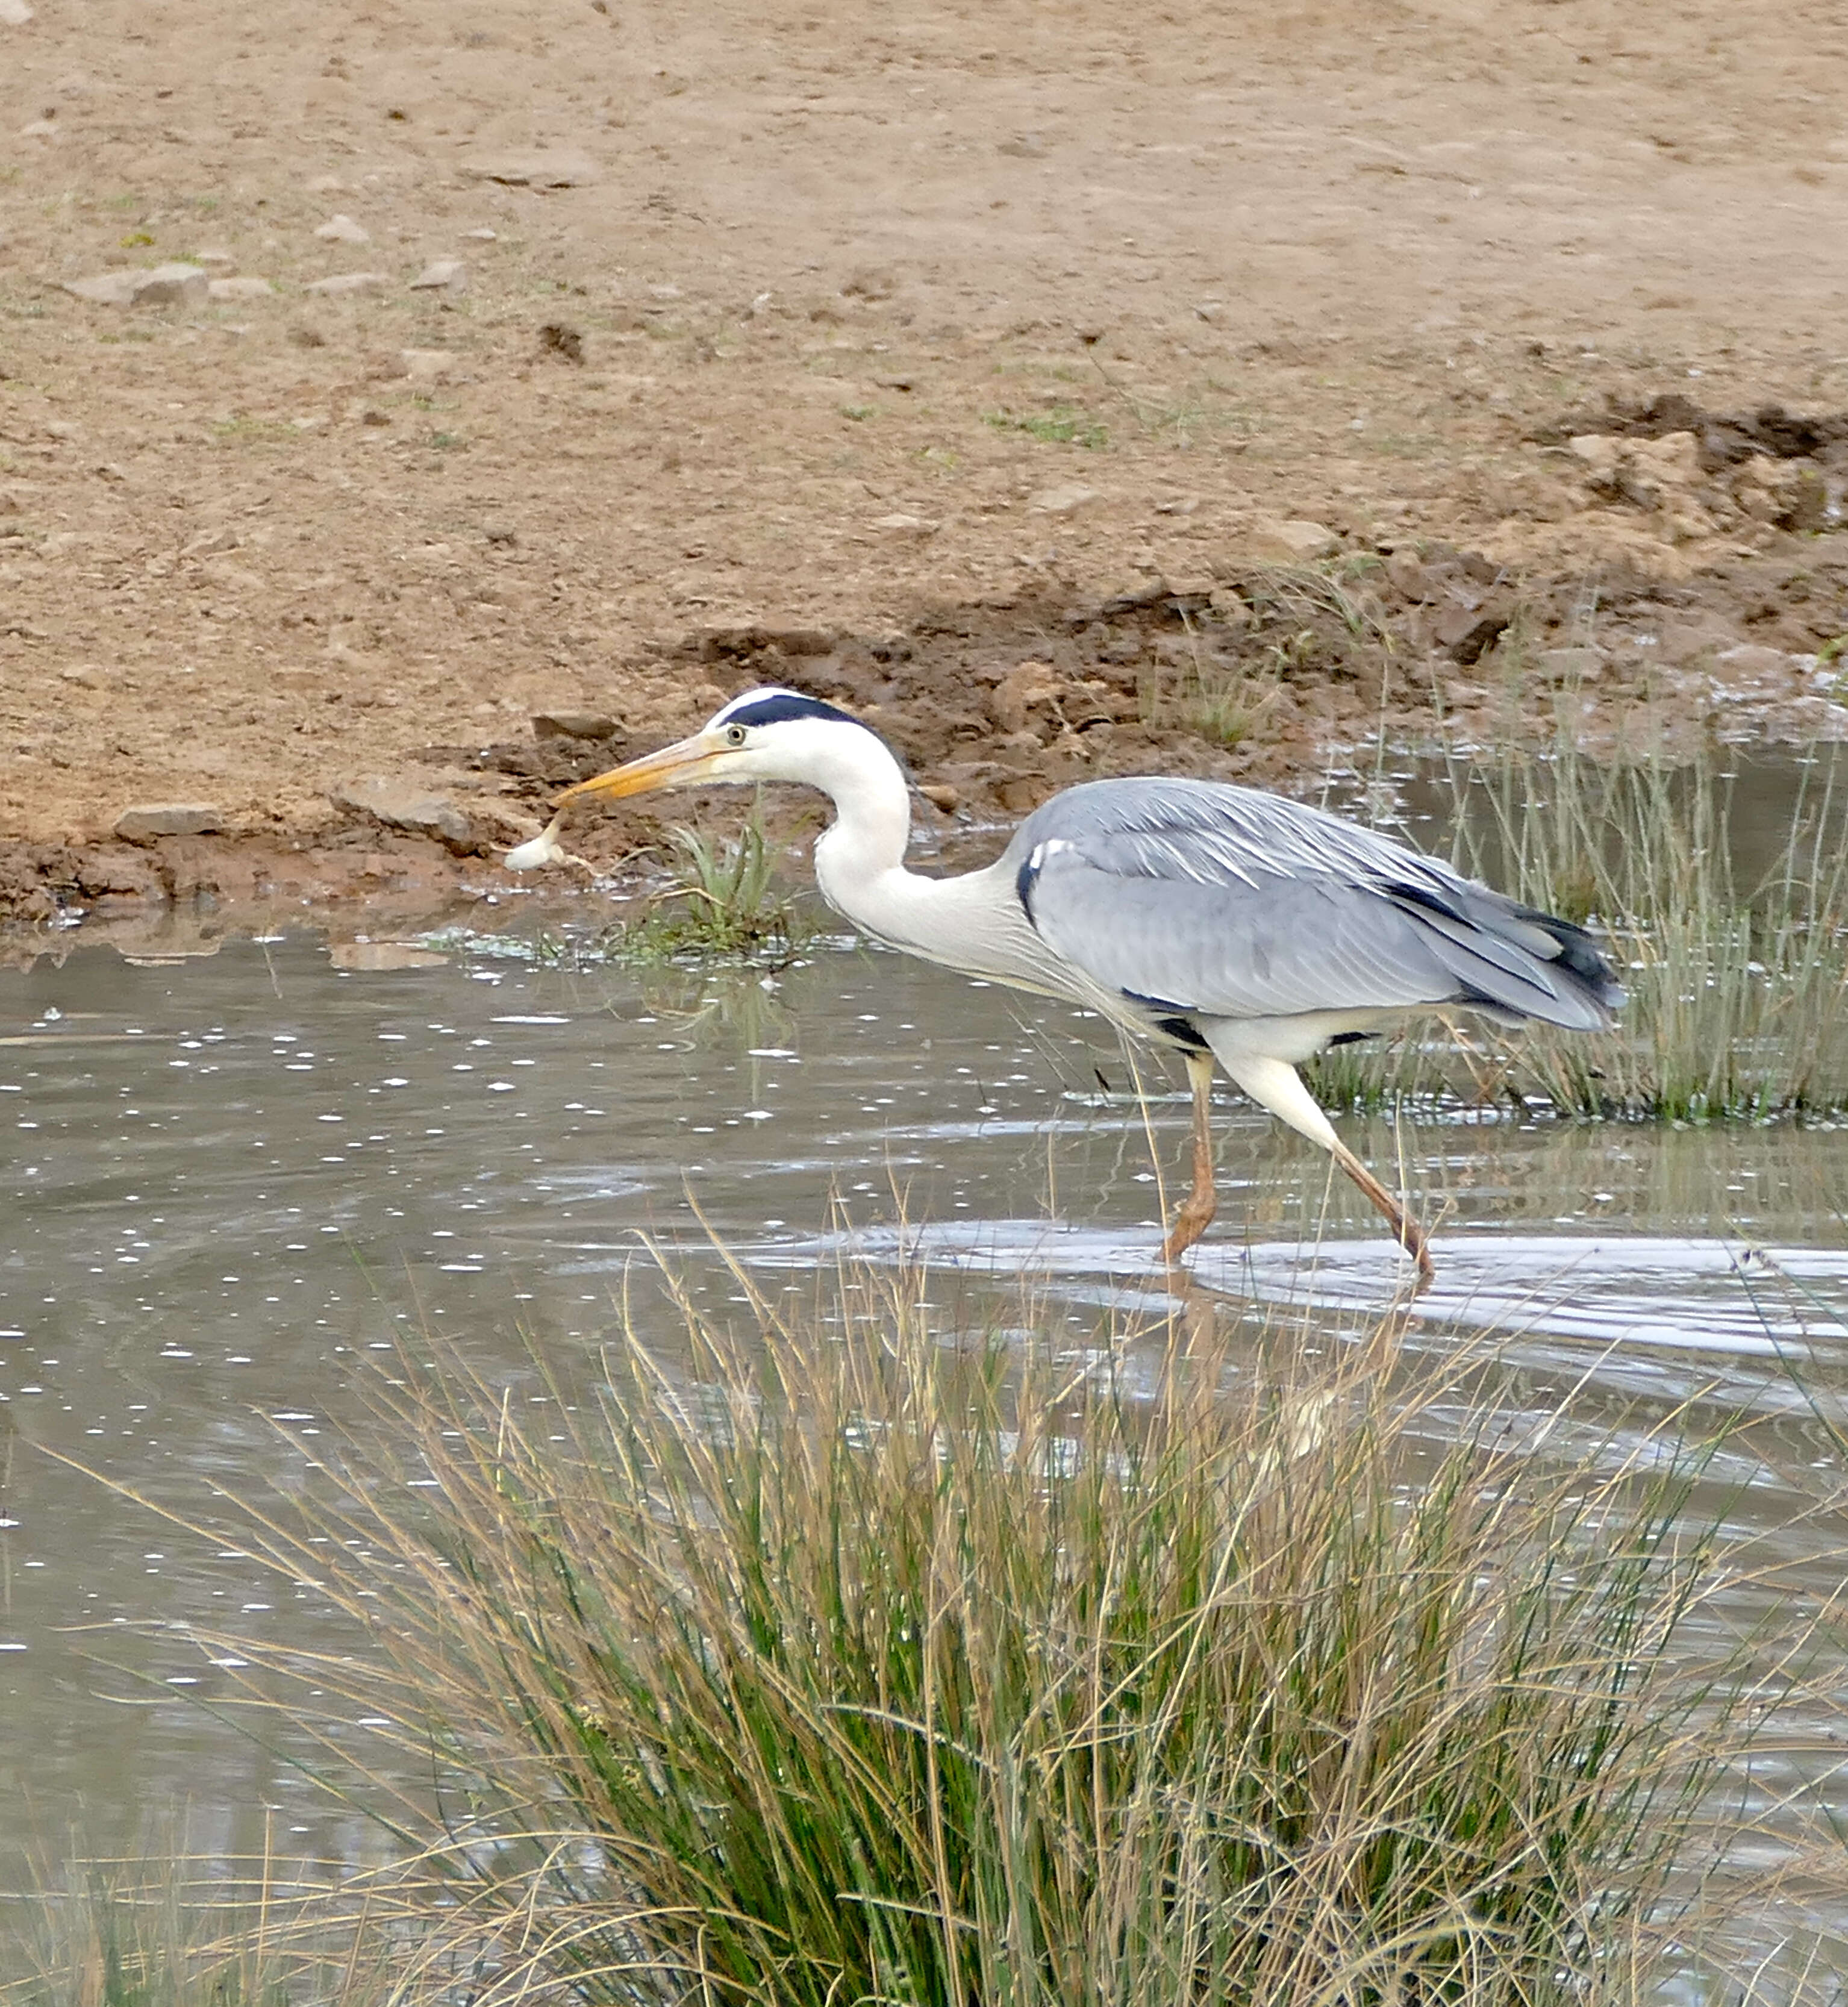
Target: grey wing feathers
(1221, 902)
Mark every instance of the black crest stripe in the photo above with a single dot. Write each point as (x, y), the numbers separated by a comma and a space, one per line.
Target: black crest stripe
(787, 705)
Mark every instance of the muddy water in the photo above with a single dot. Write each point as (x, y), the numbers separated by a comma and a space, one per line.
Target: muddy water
(226, 1186)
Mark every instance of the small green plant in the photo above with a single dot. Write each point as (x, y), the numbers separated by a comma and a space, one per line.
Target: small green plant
(1062, 426)
(726, 901)
(246, 430)
(859, 413)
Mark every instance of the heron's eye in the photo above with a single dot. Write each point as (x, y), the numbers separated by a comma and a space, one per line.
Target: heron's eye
(735, 735)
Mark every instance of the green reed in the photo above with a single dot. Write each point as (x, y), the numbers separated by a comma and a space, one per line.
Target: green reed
(1737, 992)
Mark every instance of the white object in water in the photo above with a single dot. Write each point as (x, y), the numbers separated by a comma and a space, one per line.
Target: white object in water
(545, 849)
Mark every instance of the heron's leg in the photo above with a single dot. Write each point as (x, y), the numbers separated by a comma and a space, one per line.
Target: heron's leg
(1405, 1230)
(1276, 1085)
(1196, 1214)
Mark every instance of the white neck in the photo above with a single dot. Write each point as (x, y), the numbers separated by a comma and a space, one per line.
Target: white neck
(859, 861)
(859, 865)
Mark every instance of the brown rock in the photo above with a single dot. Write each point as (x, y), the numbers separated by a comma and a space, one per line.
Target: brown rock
(541, 170)
(1294, 541)
(1467, 632)
(442, 275)
(164, 286)
(1061, 501)
(573, 724)
(401, 805)
(1025, 686)
(148, 821)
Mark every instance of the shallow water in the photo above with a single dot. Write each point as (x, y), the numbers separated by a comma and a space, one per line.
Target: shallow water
(230, 1185)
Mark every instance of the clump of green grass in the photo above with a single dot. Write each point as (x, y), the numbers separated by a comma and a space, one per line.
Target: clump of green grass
(1737, 992)
(726, 901)
(1064, 424)
(838, 1660)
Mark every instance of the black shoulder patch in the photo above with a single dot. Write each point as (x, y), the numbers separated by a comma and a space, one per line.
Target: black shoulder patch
(1171, 1020)
(1184, 1032)
(782, 704)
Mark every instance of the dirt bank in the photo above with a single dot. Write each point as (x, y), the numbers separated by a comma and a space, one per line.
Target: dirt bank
(1075, 395)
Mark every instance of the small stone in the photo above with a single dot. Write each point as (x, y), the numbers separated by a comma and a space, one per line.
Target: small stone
(14, 13)
(1672, 460)
(326, 185)
(1061, 501)
(940, 796)
(347, 282)
(105, 289)
(251, 288)
(1599, 451)
(541, 170)
(402, 805)
(164, 286)
(174, 286)
(573, 724)
(1295, 540)
(483, 235)
(148, 820)
(442, 275)
(427, 366)
(898, 524)
(343, 229)
(1025, 685)
(1467, 632)
(214, 257)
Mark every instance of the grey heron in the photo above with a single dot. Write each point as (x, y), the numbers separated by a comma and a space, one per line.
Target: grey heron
(1234, 927)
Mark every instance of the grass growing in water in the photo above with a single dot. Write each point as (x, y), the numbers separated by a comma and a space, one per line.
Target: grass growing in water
(1738, 991)
(726, 901)
(838, 1662)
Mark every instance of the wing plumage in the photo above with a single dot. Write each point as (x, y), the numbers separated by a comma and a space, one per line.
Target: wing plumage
(1224, 902)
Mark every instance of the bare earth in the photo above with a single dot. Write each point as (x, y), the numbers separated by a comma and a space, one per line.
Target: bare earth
(1031, 376)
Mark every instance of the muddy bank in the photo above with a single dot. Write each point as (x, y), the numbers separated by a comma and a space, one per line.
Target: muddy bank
(1261, 672)
(374, 388)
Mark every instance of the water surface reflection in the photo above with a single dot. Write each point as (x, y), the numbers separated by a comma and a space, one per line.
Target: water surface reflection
(231, 1184)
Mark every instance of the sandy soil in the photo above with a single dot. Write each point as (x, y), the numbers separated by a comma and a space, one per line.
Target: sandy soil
(1000, 368)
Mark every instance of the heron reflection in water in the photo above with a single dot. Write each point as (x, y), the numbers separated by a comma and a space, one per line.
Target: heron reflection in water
(1239, 929)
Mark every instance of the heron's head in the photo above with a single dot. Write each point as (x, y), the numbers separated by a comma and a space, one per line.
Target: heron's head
(766, 735)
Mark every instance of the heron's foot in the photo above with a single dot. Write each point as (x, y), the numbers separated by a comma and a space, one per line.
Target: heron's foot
(1411, 1237)
(1195, 1216)
(1405, 1230)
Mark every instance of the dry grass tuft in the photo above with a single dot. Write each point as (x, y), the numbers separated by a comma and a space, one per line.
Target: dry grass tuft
(842, 1660)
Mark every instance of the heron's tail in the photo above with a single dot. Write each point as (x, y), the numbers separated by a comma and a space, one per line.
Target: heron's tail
(1513, 961)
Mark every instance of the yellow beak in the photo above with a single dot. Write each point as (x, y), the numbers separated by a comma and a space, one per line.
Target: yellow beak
(683, 764)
